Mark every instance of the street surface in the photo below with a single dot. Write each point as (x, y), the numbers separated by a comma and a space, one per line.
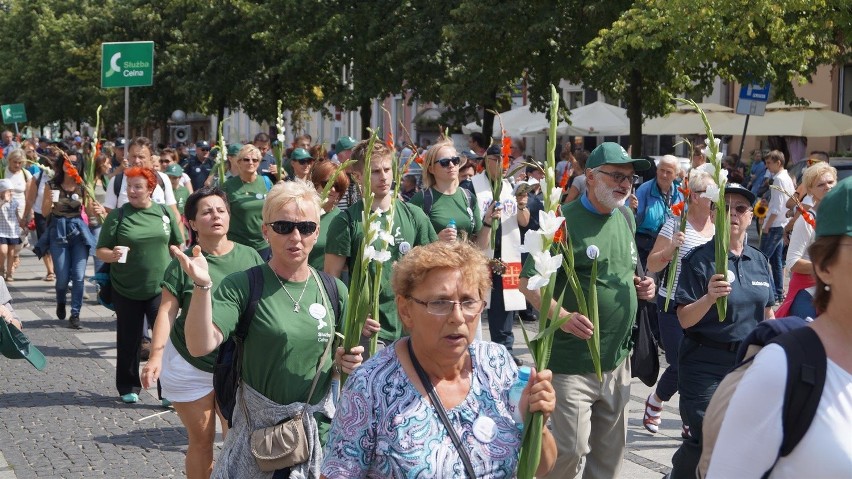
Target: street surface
(68, 422)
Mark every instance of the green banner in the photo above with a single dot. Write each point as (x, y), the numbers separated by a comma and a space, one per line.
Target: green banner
(14, 113)
(125, 64)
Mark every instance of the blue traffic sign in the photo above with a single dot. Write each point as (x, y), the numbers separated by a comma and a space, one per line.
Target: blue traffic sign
(755, 91)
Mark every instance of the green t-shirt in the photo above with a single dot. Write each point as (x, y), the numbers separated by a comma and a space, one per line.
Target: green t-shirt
(411, 228)
(246, 200)
(176, 282)
(181, 194)
(282, 348)
(317, 257)
(455, 206)
(617, 302)
(148, 232)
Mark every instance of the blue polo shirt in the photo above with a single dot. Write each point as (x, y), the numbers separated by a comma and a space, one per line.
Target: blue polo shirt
(654, 208)
(198, 171)
(751, 291)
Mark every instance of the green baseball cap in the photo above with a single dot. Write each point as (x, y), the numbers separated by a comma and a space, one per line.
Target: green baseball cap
(610, 153)
(345, 143)
(15, 345)
(834, 216)
(174, 170)
(302, 154)
(234, 149)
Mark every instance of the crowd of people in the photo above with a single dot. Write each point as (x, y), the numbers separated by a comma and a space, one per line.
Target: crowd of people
(260, 258)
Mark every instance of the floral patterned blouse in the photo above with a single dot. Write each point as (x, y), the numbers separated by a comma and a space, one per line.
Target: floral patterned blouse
(385, 428)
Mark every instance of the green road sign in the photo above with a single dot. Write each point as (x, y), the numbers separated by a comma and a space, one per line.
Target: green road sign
(127, 64)
(14, 113)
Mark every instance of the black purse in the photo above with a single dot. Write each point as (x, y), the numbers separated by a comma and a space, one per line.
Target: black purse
(645, 357)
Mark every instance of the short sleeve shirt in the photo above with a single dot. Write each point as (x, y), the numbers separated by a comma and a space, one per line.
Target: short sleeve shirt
(148, 232)
(411, 228)
(176, 282)
(751, 291)
(617, 301)
(246, 201)
(385, 428)
(455, 207)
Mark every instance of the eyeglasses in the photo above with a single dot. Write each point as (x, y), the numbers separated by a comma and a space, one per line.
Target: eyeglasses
(445, 162)
(165, 161)
(443, 307)
(284, 227)
(252, 160)
(741, 209)
(204, 149)
(619, 178)
(305, 161)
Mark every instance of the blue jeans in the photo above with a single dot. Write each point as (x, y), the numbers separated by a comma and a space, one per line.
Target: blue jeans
(701, 370)
(69, 263)
(772, 246)
(671, 335)
(96, 233)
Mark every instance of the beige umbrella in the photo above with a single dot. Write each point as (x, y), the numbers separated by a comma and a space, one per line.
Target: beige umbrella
(686, 121)
(598, 118)
(513, 121)
(813, 120)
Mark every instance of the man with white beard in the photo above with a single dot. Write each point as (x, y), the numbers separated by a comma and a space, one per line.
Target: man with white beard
(590, 421)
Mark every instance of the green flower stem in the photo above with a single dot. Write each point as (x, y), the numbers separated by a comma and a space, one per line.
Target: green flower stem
(670, 273)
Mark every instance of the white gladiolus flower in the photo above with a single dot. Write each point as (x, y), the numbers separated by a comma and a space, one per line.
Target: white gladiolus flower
(723, 176)
(711, 192)
(706, 152)
(719, 156)
(555, 195)
(281, 138)
(532, 242)
(537, 282)
(549, 223)
(386, 237)
(708, 168)
(717, 142)
(545, 265)
(593, 252)
(707, 141)
(378, 256)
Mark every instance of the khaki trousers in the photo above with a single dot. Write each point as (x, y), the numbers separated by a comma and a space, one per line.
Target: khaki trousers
(590, 423)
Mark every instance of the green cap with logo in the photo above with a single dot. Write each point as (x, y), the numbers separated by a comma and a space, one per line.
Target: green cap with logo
(345, 143)
(174, 170)
(834, 216)
(234, 149)
(301, 154)
(610, 153)
(15, 345)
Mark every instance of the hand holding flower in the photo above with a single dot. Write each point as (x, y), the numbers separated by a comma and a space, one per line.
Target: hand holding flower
(645, 288)
(539, 395)
(371, 327)
(348, 362)
(718, 287)
(579, 326)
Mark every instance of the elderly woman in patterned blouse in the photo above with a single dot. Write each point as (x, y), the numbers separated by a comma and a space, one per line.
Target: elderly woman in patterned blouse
(386, 425)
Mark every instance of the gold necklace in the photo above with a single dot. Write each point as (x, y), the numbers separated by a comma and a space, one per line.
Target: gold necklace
(295, 303)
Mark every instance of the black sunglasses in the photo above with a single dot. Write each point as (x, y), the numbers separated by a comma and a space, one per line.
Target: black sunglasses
(284, 227)
(445, 162)
(304, 161)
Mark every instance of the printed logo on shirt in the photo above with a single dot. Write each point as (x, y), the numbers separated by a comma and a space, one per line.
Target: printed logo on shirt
(760, 283)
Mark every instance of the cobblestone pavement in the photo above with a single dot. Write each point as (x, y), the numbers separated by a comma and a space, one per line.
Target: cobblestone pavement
(67, 421)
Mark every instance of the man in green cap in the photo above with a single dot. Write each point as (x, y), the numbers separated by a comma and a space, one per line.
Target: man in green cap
(589, 422)
(343, 149)
(174, 172)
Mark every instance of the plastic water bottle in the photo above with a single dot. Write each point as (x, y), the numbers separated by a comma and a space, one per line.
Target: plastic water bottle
(451, 224)
(515, 395)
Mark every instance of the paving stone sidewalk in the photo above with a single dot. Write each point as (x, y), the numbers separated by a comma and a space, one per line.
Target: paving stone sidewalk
(67, 421)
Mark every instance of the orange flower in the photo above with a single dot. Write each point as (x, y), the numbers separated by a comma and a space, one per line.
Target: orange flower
(563, 182)
(506, 149)
(418, 159)
(677, 209)
(808, 217)
(684, 190)
(71, 171)
(389, 142)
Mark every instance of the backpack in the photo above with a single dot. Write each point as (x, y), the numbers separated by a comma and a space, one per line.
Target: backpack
(116, 187)
(806, 365)
(228, 368)
(428, 200)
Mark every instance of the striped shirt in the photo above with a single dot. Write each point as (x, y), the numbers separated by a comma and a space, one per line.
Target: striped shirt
(692, 240)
